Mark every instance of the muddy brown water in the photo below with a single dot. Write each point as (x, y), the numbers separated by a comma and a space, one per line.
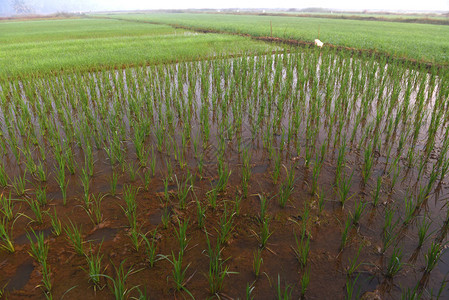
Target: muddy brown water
(327, 262)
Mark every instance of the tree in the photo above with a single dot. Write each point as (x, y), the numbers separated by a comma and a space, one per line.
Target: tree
(20, 7)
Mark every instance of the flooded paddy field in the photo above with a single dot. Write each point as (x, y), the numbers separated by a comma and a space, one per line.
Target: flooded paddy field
(259, 176)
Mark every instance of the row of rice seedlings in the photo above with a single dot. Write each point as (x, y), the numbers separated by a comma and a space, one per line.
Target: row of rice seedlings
(337, 107)
(140, 135)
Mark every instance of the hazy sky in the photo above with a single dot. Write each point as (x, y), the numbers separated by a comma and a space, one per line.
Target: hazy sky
(341, 4)
(45, 6)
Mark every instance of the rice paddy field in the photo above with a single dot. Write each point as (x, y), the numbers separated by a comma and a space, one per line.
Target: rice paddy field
(430, 18)
(41, 47)
(422, 42)
(242, 171)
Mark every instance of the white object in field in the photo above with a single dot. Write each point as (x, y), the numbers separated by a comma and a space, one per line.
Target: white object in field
(318, 43)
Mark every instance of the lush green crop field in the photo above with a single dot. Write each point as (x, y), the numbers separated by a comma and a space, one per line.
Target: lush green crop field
(348, 15)
(31, 47)
(415, 41)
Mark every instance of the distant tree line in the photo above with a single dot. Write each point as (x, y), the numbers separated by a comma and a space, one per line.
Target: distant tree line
(21, 7)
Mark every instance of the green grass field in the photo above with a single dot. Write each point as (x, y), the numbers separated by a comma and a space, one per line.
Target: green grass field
(35, 47)
(380, 15)
(421, 42)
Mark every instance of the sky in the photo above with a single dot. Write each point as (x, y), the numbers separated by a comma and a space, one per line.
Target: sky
(49, 6)
(336, 4)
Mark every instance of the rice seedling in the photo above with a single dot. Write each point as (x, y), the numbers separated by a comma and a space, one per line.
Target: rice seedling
(249, 290)
(94, 266)
(181, 235)
(394, 264)
(344, 236)
(19, 184)
(440, 290)
(340, 162)
(376, 192)
(246, 171)
(423, 231)
(93, 208)
(85, 181)
(264, 232)
(302, 249)
(89, 159)
(3, 176)
(411, 294)
(75, 238)
(212, 197)
(159, 137)
(38, 251)
(36, 209)
(147, 179)
(359, 207)
(283, 294)
(69, 157)
(285, 192)
(132, 172)
(166, 194)
(63, 184)
(129, 196)
(350, 286)
(223, 176)
(257, 262)
(264, 200)
(237, 204)
(179, 273)
(118, 284)
(226, 226)
(135, 236)
(305, 280)
(152, 162)
(433, 255)
(165, 217)
(353, 264)
(41, 173)
(7, 207)
(29, 161)
(183, 191)
(3, 290)
(409, 209)
(46, 280)
(55, 222)
(41, 195)
(150, 247)
(217, 268)
(388, 234)
(113, 183)
(321, 201)
(368, 163)
(200, 165)
(169, 169)
(443, 172)
(343, 187)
